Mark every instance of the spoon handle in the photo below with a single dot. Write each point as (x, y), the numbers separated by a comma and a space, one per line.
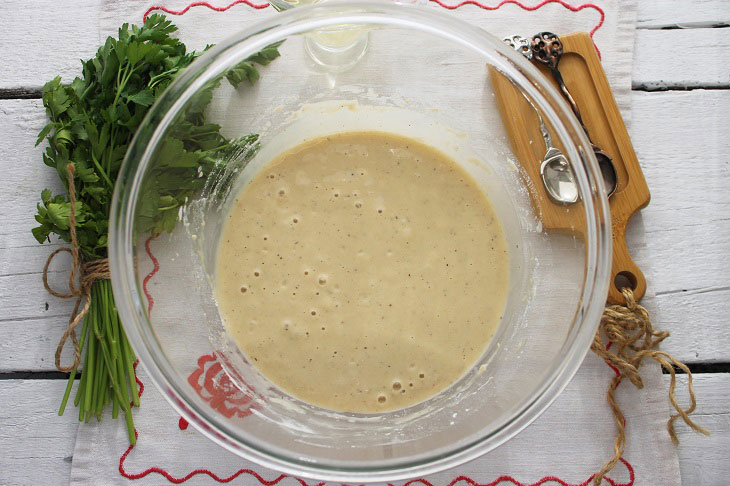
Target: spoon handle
(547, 49)
(564, 89)
(522, 45)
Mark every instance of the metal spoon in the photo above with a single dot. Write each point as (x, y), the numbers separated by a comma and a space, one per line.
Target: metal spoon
(556, 173)
(547, 49)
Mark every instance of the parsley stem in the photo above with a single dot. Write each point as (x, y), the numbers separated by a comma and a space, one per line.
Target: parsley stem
(89, 364)
(103, 387)
(108, 325)
(110, 151)
(130, 427)
(125, 78)
(98, 371)
(129, 359)
(80, 399)
(159, 77)
(120, 85)
(111, 371)
(80, 389)
(115, 405)
(102, 172)
(72, 375)
(105, 359)
(67, 392)
(122, 382)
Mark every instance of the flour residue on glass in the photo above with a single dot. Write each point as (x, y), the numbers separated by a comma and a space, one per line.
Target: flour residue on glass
(362, 271)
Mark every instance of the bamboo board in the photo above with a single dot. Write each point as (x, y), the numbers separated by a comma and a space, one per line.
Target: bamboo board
(584, 76)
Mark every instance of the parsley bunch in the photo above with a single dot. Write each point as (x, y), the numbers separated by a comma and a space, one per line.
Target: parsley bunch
(92, 121)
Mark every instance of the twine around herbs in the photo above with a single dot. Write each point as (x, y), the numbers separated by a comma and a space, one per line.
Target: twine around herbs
(89, 272)
(628, 329)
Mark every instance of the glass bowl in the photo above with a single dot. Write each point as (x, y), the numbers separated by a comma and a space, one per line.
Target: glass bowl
(425, 75)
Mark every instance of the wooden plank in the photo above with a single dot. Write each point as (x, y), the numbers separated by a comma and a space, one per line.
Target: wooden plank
(703, 460)
(663, 58)
(25, 175)
(36, 445)
(654, 14)
(681, 58)
(31, 303)
(679, 139)
(32, 320)
(45, 38)
(19, 93)
(30, 345)
(698, 321)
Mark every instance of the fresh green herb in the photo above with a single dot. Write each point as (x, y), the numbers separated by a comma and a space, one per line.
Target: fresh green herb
(92, 121)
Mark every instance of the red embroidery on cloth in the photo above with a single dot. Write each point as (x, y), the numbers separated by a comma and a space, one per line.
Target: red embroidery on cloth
(154, 8)
(529, 8)
(532, 9)
(140, 385)
(440, 3)
(182, 424)
(503, 480)
(148, 277)
(218, 389)
(212, 475)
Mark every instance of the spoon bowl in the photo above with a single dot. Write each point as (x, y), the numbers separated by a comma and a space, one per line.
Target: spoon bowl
(558, 178)
(608, 170)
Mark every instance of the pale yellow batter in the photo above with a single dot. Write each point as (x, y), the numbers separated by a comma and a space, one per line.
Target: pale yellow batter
(362, 271)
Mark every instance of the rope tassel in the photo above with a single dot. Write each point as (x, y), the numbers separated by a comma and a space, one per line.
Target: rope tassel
(628, 329)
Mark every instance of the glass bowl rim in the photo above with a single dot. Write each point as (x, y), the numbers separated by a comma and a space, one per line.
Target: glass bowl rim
(292, 22)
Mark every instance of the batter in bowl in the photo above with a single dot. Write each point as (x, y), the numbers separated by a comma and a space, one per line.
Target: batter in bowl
(362, 271)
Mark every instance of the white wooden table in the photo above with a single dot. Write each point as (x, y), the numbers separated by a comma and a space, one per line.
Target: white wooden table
(680, 119)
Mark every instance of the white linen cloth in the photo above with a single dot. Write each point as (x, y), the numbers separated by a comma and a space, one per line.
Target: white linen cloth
(564, 446)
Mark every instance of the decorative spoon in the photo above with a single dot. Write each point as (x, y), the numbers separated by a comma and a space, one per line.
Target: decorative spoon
(547, 49)
(557, 176)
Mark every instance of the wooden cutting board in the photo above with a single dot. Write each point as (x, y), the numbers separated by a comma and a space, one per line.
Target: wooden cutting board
(583, 74)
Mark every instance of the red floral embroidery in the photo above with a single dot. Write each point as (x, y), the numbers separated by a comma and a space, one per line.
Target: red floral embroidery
(214, 386)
